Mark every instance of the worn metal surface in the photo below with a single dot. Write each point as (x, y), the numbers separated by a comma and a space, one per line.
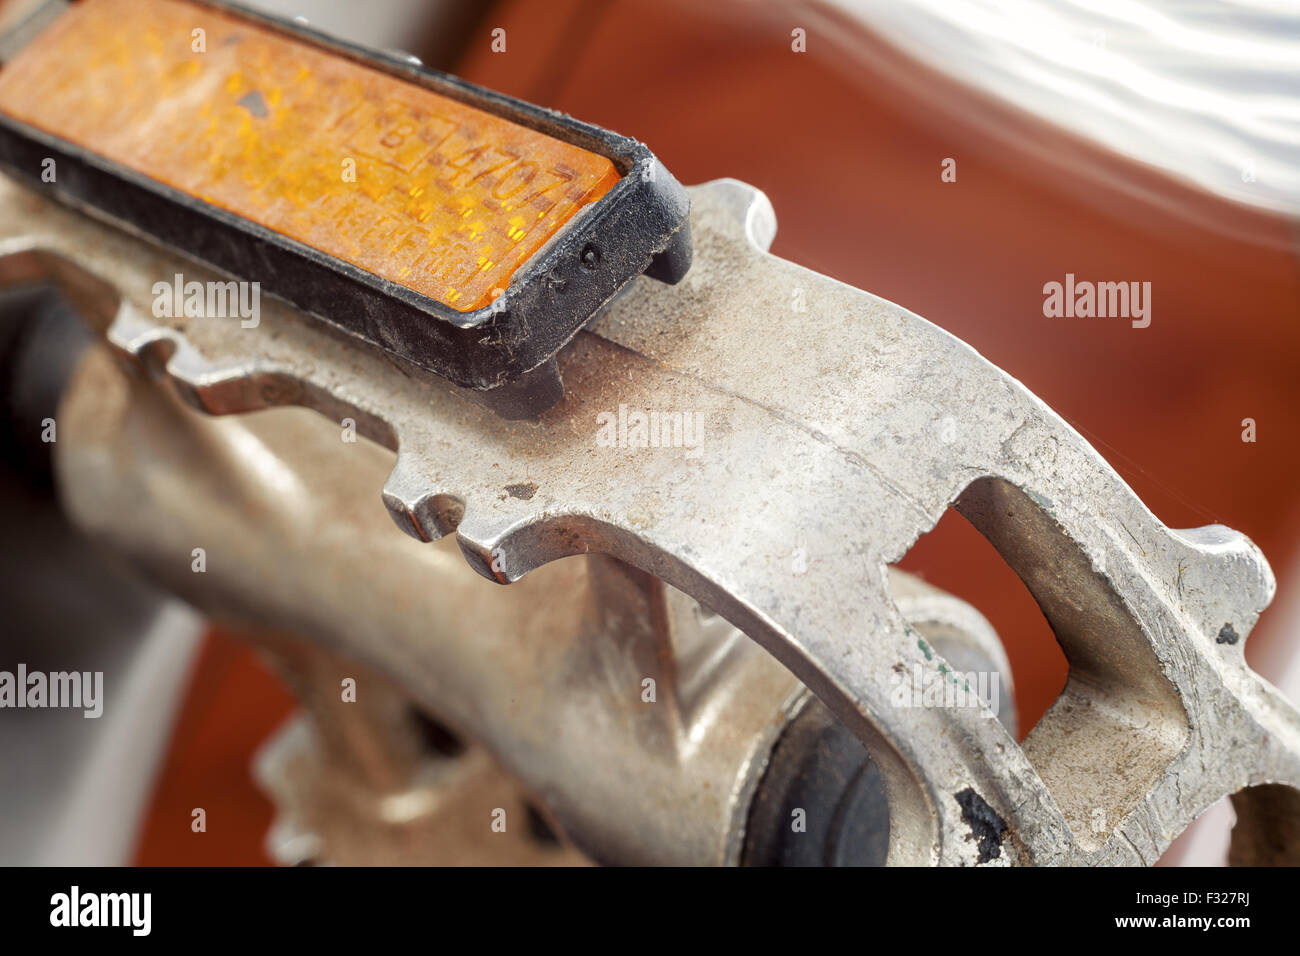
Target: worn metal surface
(839, 436)
(547, 674)
(365, 784)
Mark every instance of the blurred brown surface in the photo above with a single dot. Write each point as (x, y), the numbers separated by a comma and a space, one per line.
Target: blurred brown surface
(233, 704)
(849, 152)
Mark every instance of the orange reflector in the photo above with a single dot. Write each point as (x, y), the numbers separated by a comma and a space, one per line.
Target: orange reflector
(413, 186)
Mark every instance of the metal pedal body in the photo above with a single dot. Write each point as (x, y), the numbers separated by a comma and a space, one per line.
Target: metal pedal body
(826, 448)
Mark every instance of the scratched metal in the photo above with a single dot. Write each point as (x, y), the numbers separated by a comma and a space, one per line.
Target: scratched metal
(840, 434)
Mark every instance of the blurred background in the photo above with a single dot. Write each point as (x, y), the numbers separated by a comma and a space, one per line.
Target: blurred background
(1135, 141)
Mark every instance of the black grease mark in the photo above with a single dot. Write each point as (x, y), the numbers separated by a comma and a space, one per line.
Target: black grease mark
(522, 492)
(253, 102)
(985, 825)
(1227, 635)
